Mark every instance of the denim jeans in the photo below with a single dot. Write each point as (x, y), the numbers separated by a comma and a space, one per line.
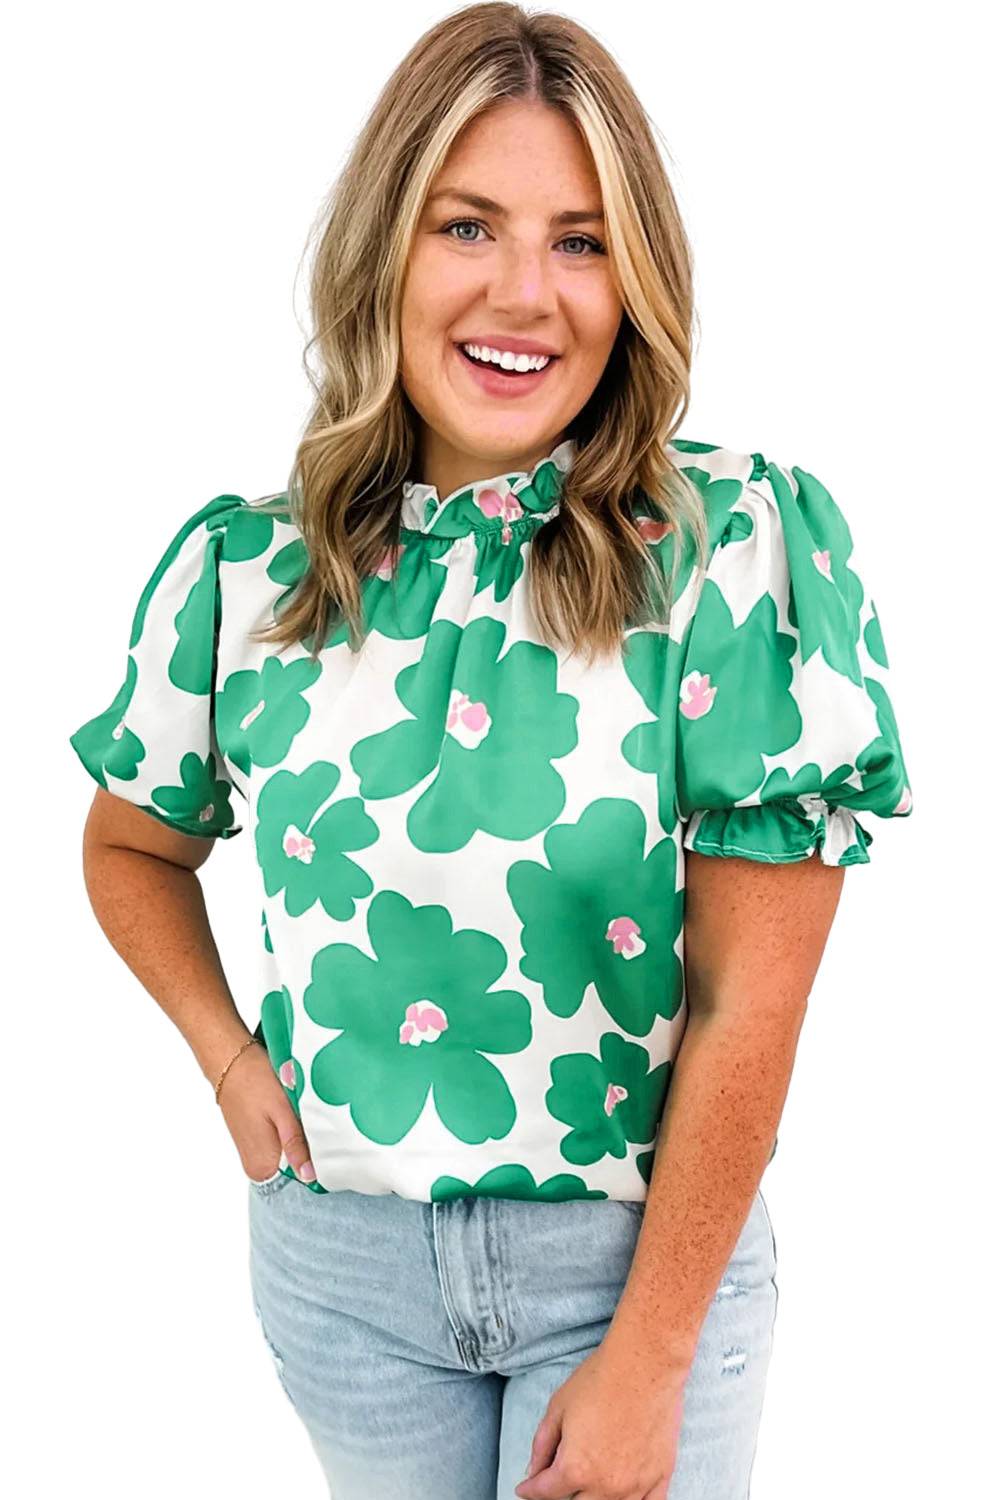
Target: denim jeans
(420, 1342)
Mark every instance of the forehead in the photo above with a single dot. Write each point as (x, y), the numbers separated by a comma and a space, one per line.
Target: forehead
(519, 150)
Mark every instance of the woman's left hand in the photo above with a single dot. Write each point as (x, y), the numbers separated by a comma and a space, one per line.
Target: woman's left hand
(610, 1432)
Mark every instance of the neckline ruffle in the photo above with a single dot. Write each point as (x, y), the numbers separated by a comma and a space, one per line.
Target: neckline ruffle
(497, 503)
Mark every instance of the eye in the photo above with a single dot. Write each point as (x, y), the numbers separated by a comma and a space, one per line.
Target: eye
(594, 246)
(456, 223)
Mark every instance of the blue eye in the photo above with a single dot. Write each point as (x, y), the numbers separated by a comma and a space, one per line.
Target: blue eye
(456, 222)
(595, 246)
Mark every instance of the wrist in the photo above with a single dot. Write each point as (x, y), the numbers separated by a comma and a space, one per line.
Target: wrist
(215, 1050)
(640, 1342)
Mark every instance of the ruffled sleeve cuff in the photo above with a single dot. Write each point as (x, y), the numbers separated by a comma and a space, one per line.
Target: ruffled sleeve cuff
(780, 832)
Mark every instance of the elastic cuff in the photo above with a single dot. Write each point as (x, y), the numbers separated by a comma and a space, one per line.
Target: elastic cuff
(780, 832)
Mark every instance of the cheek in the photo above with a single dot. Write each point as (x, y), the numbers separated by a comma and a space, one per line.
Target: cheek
(598, 313)
(434, 294)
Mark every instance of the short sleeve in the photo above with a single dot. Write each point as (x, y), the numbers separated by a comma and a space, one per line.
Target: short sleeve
(785, 726)
(155, 744)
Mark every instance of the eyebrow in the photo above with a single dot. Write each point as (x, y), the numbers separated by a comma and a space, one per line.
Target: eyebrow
(487, 205)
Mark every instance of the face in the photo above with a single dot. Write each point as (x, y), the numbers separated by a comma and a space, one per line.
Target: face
(527, 271)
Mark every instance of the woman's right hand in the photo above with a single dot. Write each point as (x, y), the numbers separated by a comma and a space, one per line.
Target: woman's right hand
(261, 1120)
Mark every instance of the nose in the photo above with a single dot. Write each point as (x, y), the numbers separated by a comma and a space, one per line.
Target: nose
(521, 282)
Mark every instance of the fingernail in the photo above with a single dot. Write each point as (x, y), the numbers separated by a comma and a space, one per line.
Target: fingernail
(306, 1172)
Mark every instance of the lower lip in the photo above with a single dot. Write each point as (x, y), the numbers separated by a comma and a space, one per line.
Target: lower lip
(489, 379)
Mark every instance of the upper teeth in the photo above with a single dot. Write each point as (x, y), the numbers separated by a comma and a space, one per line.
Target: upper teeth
(506, 359)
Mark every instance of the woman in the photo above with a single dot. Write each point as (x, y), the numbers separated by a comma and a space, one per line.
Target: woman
(513, 681)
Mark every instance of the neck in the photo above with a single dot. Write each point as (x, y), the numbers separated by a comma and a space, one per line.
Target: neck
(449, 468)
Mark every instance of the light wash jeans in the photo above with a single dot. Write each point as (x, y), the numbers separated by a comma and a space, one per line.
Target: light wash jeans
(420, 1342)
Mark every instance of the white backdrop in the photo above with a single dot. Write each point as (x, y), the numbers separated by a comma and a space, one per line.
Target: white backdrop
(834, 169)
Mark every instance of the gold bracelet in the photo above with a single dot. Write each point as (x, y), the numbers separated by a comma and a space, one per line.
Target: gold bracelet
(236, 1054)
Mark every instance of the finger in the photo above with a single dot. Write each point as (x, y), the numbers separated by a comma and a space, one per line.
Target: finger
(544, 1446)
(294, 1143)
(545, 1443)
(549, 1484)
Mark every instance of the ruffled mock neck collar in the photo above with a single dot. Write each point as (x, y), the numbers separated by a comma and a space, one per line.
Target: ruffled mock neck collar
(498, 503)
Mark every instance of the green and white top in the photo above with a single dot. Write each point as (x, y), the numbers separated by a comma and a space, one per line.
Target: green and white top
(472, 846)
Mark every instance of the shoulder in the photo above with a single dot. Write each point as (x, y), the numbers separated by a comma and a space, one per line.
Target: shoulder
(752, 495)
(186, 571)
(227, 528)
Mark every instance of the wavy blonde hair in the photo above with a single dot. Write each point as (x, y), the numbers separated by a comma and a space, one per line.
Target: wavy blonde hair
(590, 569)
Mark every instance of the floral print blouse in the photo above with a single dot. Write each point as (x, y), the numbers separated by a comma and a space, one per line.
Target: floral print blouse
(472, 846)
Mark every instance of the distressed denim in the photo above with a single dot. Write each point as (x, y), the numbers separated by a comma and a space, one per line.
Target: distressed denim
(420, 1342)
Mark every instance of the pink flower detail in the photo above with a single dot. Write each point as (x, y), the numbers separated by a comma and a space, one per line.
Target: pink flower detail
(384, 568)
(425, 1023)
(506, 533)
(118, 730)
(904, 805)
(471, 714)
(624, 935)
(490, 503)
(494, 504)
(298, 845)
(822, 562)
(697, 695)
(286, 1074)
(467, 721)
(205, 816)
(614, 1095)
(652, 530)
(249, 718)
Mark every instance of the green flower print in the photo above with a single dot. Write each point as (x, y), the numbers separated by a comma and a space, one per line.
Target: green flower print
(609, 1100)
(513, 1181)
(885, 788)
(249, 533)
(719, 496)
(644, 1164)
(304, 854)
(202, 799)
(873, 637)
(734, 702)
(259, 714)
(416, 1019)
(274, 1031)
(499, 565)
(723, 524)
(602, 914)
(398, 599)
(198, 804)
(277, 1021)
(106, 743)
(215, 516)
(191, 665)
(650, 746)
(807, 782)
(819, 544)
(488, 725)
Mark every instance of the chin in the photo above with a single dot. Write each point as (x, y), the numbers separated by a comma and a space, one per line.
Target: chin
(506, 439)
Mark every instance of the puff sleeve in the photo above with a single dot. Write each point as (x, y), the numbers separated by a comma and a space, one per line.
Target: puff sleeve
(785, 726)
(155, 745)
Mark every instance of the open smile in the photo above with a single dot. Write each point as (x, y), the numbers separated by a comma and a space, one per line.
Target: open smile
(496, 381)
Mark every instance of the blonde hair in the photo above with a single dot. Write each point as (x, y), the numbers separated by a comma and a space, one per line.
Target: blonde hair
(590, 570)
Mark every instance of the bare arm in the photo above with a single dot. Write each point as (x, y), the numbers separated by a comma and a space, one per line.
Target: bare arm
(141, 881)
(754, 936)
(142, 884)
